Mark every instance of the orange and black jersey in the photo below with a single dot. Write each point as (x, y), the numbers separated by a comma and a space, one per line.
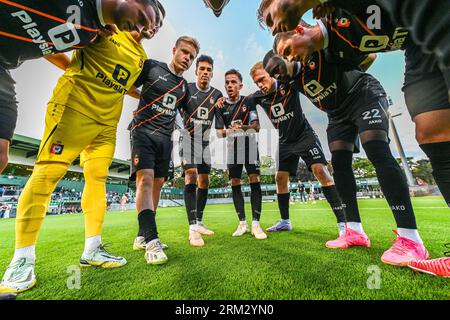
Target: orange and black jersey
(284, 109)
(349, 34)
(163, 92)
(334, 85)
(199, 110)
(30, 29)
(235, 111)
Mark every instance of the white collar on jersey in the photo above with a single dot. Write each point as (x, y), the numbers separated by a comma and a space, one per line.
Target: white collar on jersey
(204, 91)
(100, 12)
(323, 28)
(229, 102)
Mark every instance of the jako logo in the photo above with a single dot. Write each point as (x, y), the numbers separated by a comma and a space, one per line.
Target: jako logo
(121, 75)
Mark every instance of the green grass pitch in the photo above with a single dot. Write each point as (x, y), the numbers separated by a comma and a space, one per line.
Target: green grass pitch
(292, 265)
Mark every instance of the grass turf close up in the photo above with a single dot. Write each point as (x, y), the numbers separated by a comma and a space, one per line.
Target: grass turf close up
(289, 265)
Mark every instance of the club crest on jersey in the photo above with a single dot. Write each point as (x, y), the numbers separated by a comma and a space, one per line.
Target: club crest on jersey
(244, 109)
(343, 23)
(282, 90)
(141, 63)
(135, 160)
(211, 101)
(312, 65)
(57, 149)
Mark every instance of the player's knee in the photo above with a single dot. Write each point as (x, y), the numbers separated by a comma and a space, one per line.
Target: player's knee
(3, 161)
(427, 132)
(322, 174)
(235, 182)
(282, 179)
(144, 182)
(191, 177)
(96, 171)
(203, 182)
(254, 178)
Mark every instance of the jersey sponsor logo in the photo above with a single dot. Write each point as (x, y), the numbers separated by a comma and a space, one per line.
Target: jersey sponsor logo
(203, 113)
(278, 110)
(57, 149)
(373, 43)
(121, 75)
(170, 101)
(64, 36)
(111, 84)
(313, 88)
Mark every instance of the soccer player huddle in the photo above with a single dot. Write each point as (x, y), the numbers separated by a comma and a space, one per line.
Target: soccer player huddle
(326, 63)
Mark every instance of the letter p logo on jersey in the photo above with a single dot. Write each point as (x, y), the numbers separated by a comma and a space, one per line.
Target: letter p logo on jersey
(121, 75)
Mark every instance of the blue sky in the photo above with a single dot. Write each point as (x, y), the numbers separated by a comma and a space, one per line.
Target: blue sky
(235, 40)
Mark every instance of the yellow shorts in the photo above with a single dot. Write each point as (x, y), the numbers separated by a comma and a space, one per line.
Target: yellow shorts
(69, 134)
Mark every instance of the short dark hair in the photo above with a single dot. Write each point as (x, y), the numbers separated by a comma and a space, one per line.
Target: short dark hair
(204, 58)
(235, 72)
(260, 13)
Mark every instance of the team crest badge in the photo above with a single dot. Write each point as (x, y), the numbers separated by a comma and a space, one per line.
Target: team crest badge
(244, 109)
(141, 63)
(282, 91)
(312, 65)
(343, 23)
(211, 101)
(56, 149)
(136, 160)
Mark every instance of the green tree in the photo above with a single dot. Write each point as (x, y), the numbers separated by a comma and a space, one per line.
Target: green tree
(422, 169)
(363, 168)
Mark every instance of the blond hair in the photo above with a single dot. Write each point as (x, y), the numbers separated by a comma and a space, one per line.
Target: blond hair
(190, 40)
(258, 66)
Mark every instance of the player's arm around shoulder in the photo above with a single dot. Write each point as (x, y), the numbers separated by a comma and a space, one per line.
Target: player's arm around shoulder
(61, 60)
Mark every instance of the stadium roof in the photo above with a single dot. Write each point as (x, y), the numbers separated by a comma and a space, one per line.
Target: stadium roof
(24, 150)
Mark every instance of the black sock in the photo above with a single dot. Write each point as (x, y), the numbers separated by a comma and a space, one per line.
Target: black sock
(202, 198)
(190, 201)
(392, 182)
(346, 183)
(332, 196)
(439, 155)
(239, 204)
(256, 200)
(147, 225)
(283, 205)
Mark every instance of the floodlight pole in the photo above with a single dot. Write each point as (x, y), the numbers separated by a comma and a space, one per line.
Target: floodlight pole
(409, 177)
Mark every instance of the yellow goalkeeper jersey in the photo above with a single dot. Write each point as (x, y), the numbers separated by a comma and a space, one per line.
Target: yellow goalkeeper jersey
(99, 76)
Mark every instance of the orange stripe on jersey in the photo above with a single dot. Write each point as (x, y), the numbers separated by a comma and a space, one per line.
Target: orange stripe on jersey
(341, 36)
(45, 15)
(363, 25)
(145, 121)
(239, 109)
(157, 99)
(13, 36)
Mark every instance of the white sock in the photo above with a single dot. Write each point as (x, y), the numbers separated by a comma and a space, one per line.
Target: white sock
(341, 228)
(243, 223)
(412, 234)
(285, 221)
(355, 226)
(26, 252)
(92, 243)
(255, 224)
(193, 227)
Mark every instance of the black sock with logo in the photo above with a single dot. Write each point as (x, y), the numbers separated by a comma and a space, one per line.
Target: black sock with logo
(392, 182)
(190, 201)
(202, 198)
(147, 225)
(256, 200)
(332, 196)
(239, 203)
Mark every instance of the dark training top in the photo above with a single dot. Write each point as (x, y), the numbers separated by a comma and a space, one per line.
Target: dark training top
(30, 29)
(284, 110)
(162, 94)
(238, 111)
(333, 85)
(199, 110)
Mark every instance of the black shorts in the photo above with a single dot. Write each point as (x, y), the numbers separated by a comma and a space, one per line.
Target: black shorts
(150, 152)
(371, 116)
(195, 156)
(238, 159)
(8, 105)
(308, 148)
(427, 86)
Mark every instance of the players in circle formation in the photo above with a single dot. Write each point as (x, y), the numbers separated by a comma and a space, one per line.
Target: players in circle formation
(326, 63)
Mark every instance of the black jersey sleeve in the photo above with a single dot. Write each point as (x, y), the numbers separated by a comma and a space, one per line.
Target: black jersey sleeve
(220, 121)
(144, 74)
